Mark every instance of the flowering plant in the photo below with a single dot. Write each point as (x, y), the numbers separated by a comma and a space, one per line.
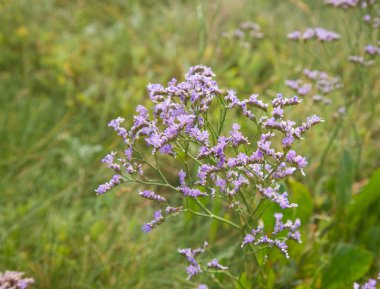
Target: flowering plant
(218, 163)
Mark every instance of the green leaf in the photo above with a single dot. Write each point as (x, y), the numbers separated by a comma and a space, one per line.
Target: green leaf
(243, 280)
(301, 196)
(344, 182)
(348, 264)
(97, 229)
(370, 194)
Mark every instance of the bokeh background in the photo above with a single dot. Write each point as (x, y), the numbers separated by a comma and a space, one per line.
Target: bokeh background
(67, 67)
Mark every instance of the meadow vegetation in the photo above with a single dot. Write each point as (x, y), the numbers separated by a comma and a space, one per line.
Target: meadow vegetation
(68, 67)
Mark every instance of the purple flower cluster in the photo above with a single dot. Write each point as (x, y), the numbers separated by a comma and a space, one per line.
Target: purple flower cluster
(195, 268)
(214, 264)
(317, 33)
(216, 158)
(343, 3)
(14, 280)
(370, 50)
(158, 219)
(373, 21)
(258, 238)
(320, 86)
(373, 49)
(360, 60)
(152, 196)
(180, 113)
(103, 188)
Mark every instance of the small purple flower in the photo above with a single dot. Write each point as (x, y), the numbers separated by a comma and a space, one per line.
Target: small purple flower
(283, 201)
(231, 99)
(146, 228)
(236, 135)
(221, 183)
(305, 89)
(308, 34)
(318, 33)
(367, 18)
(14, 280)
(152, 196)
(283, 102)
(343, 3)
(115, 123)
(248, 239)
(372, 50)
(360, 60)
(192, 193)
(294, 84)
(158, 219)
(182, 176)
(215, 264)
(192, 271)
(190, 254)
(278, 112)
(166, 149)
(257, 103)
(295, 35)
(103, 188)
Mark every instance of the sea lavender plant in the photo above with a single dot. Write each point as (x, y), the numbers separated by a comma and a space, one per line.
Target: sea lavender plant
(14, 280)
(217, 161)
(317, 33)
(318, 85)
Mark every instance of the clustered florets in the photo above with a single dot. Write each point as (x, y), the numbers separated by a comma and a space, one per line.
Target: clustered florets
(14, 280)
(319, 85)
(179, 127)
(280, 243)
(317, 33)
(195, 268)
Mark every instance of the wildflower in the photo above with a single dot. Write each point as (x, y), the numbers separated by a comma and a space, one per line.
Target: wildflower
(158, 219)
(179, 125)
(215, 264)
(152, 196)
(360, 60)
(278, 227)
(272, 193)
(317, 33)
(14, 280)
(194, 268)
(103, 188)
(372, 50)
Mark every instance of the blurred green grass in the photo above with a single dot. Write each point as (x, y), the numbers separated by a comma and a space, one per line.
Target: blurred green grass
(68, 67)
